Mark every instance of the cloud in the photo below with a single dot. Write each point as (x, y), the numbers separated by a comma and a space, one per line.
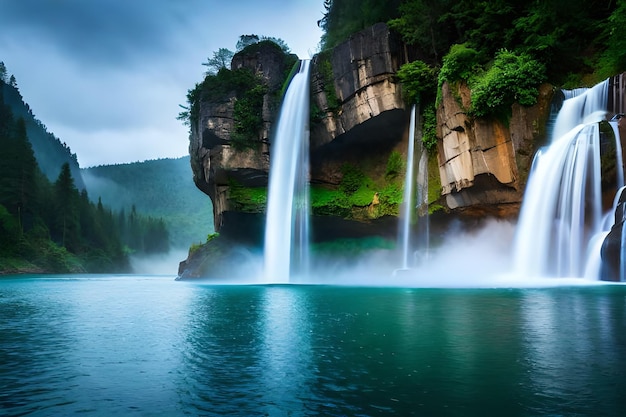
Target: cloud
(107, 76)
(98, 32)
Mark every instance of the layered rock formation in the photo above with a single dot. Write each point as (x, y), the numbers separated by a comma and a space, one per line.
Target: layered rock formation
(483, 164)
(365, 120)
(612, 266)
(359, 117)
(214, 159)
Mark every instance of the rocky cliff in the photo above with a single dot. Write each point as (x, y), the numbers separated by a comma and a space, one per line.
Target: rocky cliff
(483, 163)
(215, 159)
(359, 118)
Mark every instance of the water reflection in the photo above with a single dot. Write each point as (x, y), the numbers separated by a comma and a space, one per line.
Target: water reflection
(574, 341)
(153, 348)
(221, 367)
(286, 354)
(89, 345)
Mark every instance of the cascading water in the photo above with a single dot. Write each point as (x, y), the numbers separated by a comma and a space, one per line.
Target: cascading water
(287, 219)
(423, 224)
(562, 207)
(408, 194)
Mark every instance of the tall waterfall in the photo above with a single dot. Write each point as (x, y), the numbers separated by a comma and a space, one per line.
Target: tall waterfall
(421, 195)
(287, 221)
(407, 198)
(562, 207)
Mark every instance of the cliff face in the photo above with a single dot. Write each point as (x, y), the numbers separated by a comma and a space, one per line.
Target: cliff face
(360, 114)
(483, 164)
(214, 158)
(359, 117)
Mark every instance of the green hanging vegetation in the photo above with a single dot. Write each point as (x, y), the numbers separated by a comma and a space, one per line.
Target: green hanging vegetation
(512, 78)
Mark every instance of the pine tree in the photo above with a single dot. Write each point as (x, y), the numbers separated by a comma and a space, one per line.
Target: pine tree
(66, 196)
(27, 168)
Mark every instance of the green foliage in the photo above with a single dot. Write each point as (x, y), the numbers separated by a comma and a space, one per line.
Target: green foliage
(3, 73)
(49, 151)
(246, 40)
(512, 78)
(195, 247)
(220, 60)
(395, 165)
(247, 199)
(613, 59)
(420, 23)
(434, 184)
(217, 88)
(221, 84)
(429, 127)
(460, 63)
(390, 198)
(160, 189)
(353, 178)
(345, 17)
(248, 113)
(53, 227)
(359, 196)
(265, 42)
(419, 81)
(325, 70)
(567, 36)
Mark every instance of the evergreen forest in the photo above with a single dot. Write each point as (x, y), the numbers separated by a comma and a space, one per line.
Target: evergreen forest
(52, 226)
(161, 188)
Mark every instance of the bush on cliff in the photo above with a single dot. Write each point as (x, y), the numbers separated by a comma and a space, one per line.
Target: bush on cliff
(513, 78)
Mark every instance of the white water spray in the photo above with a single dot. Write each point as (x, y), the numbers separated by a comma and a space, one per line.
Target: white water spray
(287, 221)
(562, 209)
(407, 198)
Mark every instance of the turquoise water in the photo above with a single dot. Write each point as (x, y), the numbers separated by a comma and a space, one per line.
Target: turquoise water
(151, 346)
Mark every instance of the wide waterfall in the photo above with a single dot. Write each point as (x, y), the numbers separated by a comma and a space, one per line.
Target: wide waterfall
(561, 214)
(287, 221)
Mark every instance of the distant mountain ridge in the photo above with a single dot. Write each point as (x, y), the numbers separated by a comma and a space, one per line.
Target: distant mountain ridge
(160, 188)
(49, 151)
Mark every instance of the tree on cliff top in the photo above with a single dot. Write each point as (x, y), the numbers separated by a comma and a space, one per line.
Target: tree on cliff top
(221, 59)
(345, 17)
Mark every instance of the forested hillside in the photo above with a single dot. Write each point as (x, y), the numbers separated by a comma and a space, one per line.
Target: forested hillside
(53, 227)
(578, 41)
(49, 151)
(160, 188)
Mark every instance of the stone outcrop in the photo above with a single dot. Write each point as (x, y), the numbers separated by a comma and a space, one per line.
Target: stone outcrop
(369, 119)
(612, 265)
(483, 163)
(214, 160)
(359, 115)
(363, 77)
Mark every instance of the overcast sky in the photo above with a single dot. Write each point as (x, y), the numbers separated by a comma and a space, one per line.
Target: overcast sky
(107, 76)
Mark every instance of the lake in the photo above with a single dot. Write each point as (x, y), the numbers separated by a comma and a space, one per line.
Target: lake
(151, 346)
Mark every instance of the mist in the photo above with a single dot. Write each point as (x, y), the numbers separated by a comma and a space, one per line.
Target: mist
(476, 258)
(158, 264)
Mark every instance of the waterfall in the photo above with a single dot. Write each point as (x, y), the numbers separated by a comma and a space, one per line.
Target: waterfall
(423, 223)
(408, 194)
(287, 218)
(562, 208)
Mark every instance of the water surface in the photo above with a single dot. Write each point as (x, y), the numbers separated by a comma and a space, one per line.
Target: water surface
(151, 346)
